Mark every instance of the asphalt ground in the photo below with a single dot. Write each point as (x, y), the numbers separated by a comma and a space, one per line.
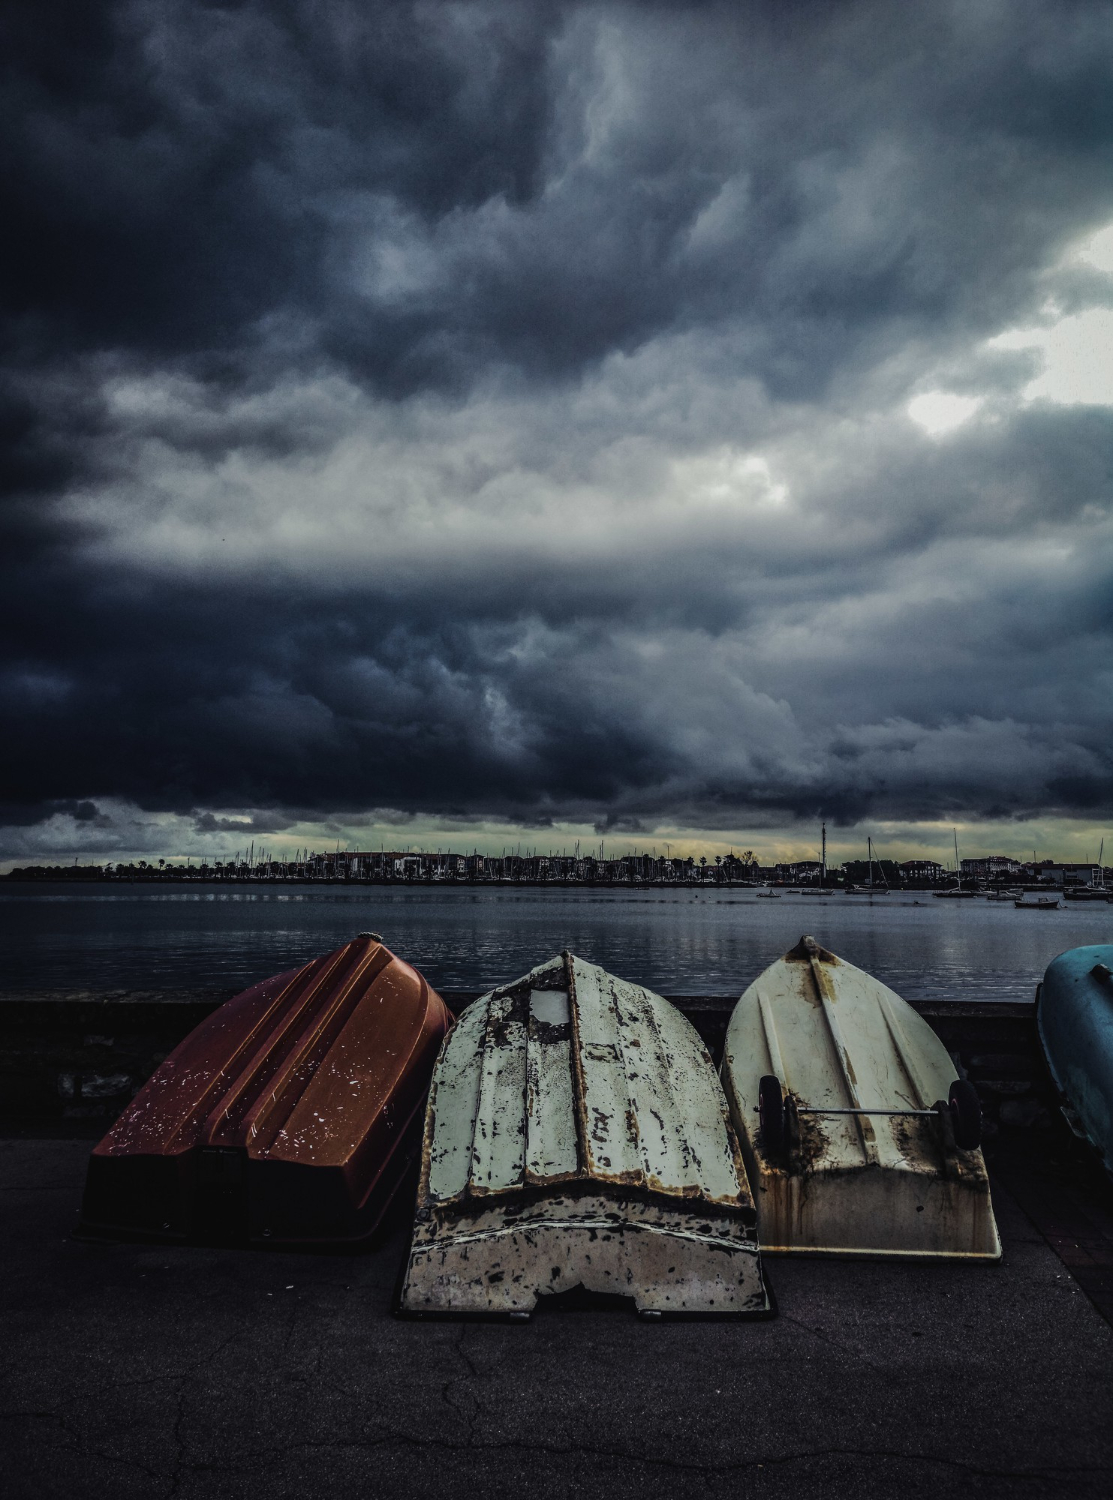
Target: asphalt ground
(133, 1370)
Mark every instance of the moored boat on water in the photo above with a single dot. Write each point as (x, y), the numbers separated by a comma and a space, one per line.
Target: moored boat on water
(1074, 1015)
(858, 1136)
(289, 1115)
(1036, 903)
(958, 890)
(869, 887)
(577, 1135)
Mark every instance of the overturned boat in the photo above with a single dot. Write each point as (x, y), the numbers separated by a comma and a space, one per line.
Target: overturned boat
(289, 1115)
(858, 1136)
(1074, 1014)
(577, 1136)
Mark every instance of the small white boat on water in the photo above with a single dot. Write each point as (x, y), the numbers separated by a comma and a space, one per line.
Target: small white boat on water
(858, 1136)
(577, 1135)
(1036, 903)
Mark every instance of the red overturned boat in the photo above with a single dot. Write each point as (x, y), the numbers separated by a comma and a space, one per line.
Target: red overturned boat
(288, 1116)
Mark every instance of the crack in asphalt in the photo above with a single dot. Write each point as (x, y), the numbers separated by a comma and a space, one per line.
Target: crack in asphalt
(180, 1444)
(78, 1444)
(471, 1417)
(471, 1412)
(824, 1336)
(659, 1462)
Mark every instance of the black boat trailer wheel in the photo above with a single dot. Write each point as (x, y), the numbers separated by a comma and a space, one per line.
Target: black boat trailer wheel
(966, 1114)
(771, 1112)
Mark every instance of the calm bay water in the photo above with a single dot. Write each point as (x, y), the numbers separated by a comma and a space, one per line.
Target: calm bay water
(172, 936)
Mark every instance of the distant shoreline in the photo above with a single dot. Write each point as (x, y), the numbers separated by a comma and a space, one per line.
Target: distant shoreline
(82, 877)
(425, 882)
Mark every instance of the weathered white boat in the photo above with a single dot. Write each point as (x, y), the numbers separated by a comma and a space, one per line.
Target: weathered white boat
(858, 1136)
(577, 1135)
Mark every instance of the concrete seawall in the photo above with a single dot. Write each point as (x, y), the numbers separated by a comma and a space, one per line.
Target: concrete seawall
(79, 1056)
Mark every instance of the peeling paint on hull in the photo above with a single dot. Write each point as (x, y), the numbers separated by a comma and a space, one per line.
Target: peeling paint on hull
(577, 1135)
(666, 1262)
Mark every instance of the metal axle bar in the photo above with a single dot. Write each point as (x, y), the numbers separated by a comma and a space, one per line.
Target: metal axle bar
(865, 1111)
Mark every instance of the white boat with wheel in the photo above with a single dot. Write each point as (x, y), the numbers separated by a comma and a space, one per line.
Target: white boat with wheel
(858, 1136)
(577, 1135)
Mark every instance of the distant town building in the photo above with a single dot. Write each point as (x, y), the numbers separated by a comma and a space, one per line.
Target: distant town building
(989, 867)
(921, 869)
(1070, 874)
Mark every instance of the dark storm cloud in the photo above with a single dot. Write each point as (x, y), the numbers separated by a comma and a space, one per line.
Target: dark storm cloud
(178, 172)
(249, 233)
(411, 188)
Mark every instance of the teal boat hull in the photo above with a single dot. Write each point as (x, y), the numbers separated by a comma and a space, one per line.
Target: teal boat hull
(1075, 1020)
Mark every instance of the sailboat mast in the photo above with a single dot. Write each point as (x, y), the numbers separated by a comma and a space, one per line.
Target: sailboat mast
(823, 858)
(958, 867)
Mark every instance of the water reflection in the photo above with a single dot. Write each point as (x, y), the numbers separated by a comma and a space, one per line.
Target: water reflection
(678, 942)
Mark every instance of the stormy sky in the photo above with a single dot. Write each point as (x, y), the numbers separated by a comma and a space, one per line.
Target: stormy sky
(471, 417)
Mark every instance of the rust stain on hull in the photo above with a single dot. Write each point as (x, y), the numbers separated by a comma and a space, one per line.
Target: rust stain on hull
(865, 1164)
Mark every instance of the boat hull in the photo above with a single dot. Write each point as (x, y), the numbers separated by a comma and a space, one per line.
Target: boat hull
(290, 1115)
(501, 1262)
(1075, 1021)
(576, 1135)
(851, 1184)
(865, 1213)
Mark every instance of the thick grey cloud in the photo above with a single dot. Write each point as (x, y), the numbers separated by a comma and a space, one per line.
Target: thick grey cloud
(486, 410)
